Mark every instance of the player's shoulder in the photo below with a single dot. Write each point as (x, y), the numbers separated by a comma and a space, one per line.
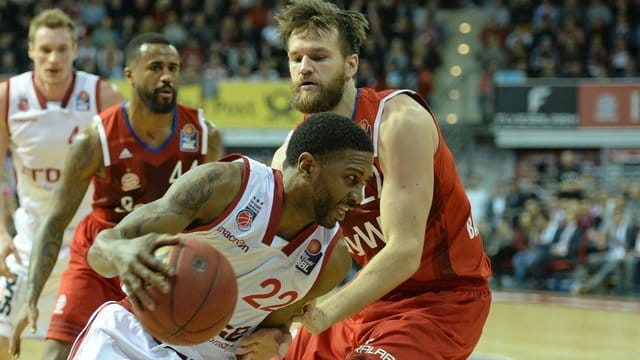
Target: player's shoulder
(223, 171)
(4, 91)
(405, 108)
(110, 114)
(4, 101)
(108, 94)
(187, 108)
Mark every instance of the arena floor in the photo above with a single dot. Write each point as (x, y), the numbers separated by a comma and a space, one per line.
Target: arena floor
(528, 326)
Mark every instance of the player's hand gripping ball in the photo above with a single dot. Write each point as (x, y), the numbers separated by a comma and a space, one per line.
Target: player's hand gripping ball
(202, 297)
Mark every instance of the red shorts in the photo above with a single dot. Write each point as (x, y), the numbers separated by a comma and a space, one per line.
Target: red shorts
(81, 290)
(435, 325)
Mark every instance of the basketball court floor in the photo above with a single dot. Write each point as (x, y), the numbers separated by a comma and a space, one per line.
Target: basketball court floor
(534, 326)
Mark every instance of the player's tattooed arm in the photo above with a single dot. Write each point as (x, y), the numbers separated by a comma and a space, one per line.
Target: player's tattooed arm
(198, 197)
(83, 161)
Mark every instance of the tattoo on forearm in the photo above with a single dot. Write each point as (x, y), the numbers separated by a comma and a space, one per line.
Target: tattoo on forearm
(196, 192)
(47, 254)
(85, 159)
(186, 200)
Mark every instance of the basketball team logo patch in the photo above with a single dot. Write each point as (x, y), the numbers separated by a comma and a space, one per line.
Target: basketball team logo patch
(310, 258)
(23, 104)
(245, 217)
(189, 138)
(364, 125)
(83, 102)
(130, 181)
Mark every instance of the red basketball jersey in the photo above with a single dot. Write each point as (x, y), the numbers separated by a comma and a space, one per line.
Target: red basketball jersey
(136, 173)
(453, 253)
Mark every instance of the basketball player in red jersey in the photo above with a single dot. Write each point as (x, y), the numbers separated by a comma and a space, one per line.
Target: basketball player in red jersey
(131, 154)
(422, 293)
(40, 112)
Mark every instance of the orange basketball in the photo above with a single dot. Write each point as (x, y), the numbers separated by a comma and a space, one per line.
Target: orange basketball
(202, 297)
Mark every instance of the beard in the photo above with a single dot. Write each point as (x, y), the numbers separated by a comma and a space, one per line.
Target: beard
(323, 206)
(152, 102)
(326, 98)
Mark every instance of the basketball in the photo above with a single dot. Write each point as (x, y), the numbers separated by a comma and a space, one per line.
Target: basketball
(202, 297)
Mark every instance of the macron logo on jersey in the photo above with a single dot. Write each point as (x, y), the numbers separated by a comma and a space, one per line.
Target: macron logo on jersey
(125, 154)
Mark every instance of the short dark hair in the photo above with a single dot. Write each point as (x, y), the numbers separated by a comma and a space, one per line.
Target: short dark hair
(133, 47)
(326, 133)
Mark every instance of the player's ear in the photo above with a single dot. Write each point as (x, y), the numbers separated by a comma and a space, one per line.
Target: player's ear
(128, 75)
(31, 49)
(351, 66)
(307, 165)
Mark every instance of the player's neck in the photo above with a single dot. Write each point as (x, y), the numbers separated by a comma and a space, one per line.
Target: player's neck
(348, 102)
(297, 209)
(141, 118)
(53, 92)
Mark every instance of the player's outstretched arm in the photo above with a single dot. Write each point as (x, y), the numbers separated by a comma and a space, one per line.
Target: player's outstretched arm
(6, 242)
(82, 162)
(408, 141)
(198, 197)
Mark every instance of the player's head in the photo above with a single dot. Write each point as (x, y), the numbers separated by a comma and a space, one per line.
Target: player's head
(153, 69)
(322, 43)
(52, 46)
(334, 156)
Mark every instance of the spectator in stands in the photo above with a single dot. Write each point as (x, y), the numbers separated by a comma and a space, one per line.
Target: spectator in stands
(569, 176)
(607, 257)
(499, 11)
(110, 61)
(502, 261)
(105, 34)
(215, 71)
(620, 57)
(572, 9)
(175, 30)
(479, 199)
(570, 242)
(631, 262)
(541, 235)
(8, 64)
(546, 11)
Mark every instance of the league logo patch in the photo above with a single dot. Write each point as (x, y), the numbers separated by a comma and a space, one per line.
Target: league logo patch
(130, 181)
(364, 125)
(245, 217)
(83, 103)
(310, 258)
(23, 104)
(189, 138)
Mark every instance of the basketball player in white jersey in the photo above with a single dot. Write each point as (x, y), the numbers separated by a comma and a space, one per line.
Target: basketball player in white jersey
(40, 113)
(289, 253)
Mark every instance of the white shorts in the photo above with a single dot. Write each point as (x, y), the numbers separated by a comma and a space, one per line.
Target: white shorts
(114, 333)
(13, 292)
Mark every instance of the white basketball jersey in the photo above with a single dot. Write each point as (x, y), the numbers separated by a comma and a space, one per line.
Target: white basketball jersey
(272, 273)
(40, 133)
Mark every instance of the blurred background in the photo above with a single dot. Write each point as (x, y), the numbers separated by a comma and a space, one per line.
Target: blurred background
(538, 100)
